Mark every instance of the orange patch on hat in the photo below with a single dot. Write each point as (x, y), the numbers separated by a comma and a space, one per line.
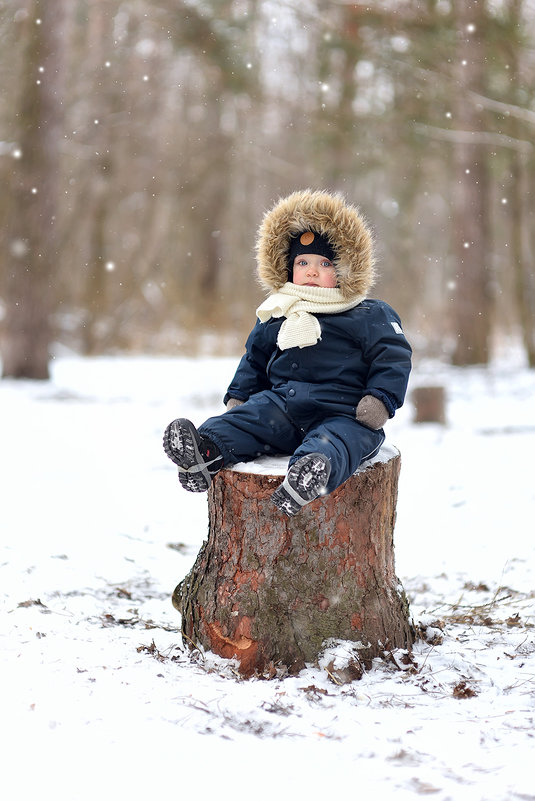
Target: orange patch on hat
(307, 238)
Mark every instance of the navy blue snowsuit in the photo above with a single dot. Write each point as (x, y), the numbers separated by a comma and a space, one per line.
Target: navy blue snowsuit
(303, 400)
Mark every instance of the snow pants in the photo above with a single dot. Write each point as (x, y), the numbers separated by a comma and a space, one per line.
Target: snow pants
(262, 426)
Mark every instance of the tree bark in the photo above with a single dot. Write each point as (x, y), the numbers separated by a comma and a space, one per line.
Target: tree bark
(271, 591)
(473, 301)
(31, 224)
(524, 280)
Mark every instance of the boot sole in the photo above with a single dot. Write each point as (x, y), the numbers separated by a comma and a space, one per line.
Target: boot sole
(305, 481)
(181, 444)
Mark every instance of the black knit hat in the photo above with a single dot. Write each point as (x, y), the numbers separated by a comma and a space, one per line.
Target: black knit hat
(309, 242)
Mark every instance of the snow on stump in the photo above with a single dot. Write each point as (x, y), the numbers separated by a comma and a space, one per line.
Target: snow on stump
(272, 591)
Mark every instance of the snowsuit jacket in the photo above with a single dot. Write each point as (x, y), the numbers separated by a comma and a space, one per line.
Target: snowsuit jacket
(362, 351)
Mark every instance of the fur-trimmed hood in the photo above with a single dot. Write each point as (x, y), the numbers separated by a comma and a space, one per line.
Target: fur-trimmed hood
(324, 213)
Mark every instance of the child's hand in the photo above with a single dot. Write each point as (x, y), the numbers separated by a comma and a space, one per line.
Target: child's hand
(372, 412)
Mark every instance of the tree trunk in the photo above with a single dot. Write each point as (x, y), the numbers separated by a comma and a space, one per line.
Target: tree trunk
(473, 305)
(31, 224)
(98, 196)
(271, 591)
(524, 280)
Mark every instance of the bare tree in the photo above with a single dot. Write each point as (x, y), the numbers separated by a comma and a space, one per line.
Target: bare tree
(524, 281)
(472, 307)
(31, 223)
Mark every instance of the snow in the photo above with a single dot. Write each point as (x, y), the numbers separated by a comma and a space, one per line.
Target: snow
(99, 696)
(277, 465)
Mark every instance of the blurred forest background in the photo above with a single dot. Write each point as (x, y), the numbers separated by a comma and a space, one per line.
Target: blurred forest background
(141, 141)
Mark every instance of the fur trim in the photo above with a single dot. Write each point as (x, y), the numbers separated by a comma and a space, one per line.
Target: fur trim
(327, 214)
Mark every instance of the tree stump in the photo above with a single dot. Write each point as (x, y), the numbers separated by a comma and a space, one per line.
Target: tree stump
(271, 591)
(429, 403)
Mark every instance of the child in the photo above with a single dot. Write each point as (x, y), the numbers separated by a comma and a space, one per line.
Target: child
(324, 367)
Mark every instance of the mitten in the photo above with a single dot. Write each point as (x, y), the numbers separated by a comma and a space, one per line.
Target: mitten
(372, 412)
(232, 402)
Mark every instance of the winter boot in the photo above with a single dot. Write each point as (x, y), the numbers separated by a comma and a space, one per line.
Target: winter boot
(197, 458)
(306, 479)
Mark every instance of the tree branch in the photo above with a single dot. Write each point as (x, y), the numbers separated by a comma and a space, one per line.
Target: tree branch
(473, 137)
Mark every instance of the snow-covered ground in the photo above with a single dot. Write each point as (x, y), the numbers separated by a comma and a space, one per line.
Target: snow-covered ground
(99, 696)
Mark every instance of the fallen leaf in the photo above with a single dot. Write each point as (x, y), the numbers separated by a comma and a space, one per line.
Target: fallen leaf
(462, 690)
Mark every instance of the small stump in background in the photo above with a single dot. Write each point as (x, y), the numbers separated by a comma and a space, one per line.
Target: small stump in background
(429, 404)
(271, 591)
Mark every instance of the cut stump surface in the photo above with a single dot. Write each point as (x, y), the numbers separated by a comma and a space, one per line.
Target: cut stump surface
(269, 591)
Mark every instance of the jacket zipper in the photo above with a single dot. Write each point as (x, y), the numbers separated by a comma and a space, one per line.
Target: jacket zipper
(268, 366)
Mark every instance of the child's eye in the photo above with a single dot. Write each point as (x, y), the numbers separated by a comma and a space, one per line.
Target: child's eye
(326, 263)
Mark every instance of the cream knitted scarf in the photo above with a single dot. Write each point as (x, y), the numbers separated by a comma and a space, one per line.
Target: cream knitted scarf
(298, 304)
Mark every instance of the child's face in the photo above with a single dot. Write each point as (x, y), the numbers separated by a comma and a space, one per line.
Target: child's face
(309, 269)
